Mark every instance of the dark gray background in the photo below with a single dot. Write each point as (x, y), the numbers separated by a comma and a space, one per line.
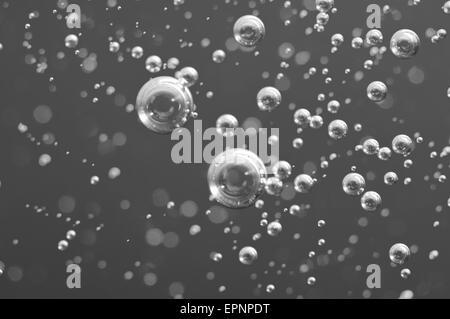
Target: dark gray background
(146, 165)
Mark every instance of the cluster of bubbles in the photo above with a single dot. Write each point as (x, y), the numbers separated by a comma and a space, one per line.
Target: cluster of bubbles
(238, 178)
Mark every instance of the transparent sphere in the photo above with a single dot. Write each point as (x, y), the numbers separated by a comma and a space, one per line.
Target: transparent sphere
(385, 153)
(399, 254)
(354, 184)
(334, 106)
(249, 31)
(405, 44)
(357, 43)
(297, 143)
(269, 98)
(164, 104)
(71, 234)
(371, 146)
(236, 178)
(374, 37)
(274, 186)
(219, 56)
(248, 255)
(337, 39)
(324, 5)
(226, 124)
(188, 76)
(337, 129)
(302, 117)
(403, 145)
(316, 122)
(282, 170)
(377, 91)
(63, 245)
(446, 7)
(303, 183)
(71, 41)
(370, 201)
(137, 52)
(390, 178)
(322, 18)
(405, 273)
(274, 229)
(153, 64)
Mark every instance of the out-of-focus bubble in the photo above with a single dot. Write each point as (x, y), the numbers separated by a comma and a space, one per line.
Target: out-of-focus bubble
(249, 30)
(405, 44)
(43, 114)
(154, 237)
(407, 294)
(189, 209)
(236, 178)
(163, 104)
(67, 204)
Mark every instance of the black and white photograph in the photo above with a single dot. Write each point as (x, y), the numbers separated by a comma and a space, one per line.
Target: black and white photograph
(223, 155)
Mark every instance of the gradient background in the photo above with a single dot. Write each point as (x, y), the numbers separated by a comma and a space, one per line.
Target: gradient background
(35, 268)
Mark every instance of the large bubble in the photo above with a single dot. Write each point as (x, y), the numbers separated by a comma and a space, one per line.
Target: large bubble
(236, 178)
(164, 104)
(405, 44)
(249, 30)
